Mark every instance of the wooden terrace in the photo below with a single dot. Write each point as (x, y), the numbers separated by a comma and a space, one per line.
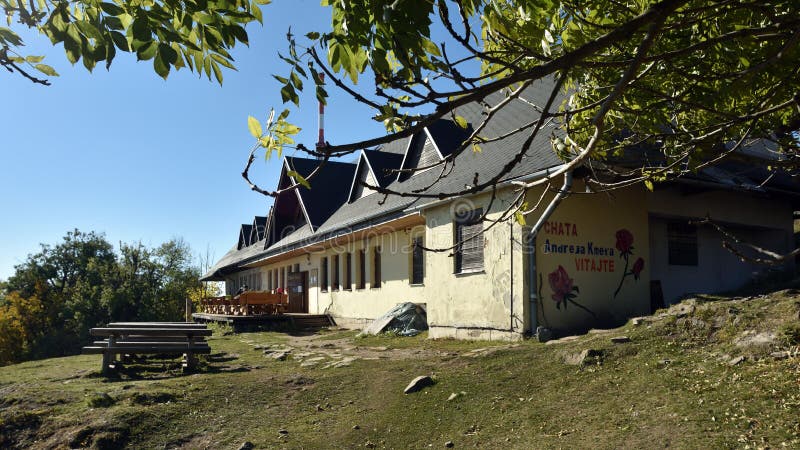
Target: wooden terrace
(260, 310)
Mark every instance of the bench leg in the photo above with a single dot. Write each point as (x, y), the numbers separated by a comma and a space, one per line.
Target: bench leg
(191, 362)
(107, 359)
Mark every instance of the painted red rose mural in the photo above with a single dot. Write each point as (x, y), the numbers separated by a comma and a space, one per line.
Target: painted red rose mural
(625, 247)
(624, 242)
(564, 289)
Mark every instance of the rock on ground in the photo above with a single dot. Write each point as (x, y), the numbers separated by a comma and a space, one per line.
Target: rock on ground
(418, 384)
(586, 357)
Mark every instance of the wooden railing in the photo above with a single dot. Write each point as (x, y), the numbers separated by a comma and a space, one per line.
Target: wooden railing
(248, 303)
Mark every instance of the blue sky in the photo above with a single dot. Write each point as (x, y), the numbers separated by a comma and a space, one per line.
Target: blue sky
(138, 158)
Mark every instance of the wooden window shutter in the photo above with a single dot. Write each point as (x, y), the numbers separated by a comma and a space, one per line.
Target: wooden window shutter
(362, 269)
(335, 277)
(417, 262)
(376, 267)
(469, 235)
(348, 271)
(323, 273)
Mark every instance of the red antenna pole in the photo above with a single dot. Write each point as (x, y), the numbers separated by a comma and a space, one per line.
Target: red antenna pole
(321, 140)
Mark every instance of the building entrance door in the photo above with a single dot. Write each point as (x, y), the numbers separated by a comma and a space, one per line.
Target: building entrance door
(297, 282)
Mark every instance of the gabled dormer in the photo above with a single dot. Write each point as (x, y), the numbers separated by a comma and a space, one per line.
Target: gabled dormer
(431, 145)
(288, 212)
(375, 168)
(421, 152)
(327, 193)
(259, 227)
(244, 236)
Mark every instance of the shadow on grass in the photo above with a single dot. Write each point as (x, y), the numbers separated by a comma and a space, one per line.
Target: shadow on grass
(156, 368)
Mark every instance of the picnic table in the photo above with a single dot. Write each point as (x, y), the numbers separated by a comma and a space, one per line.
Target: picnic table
(127, 339)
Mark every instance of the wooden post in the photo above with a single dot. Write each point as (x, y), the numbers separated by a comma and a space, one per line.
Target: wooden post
(188, 310)
(108, 357)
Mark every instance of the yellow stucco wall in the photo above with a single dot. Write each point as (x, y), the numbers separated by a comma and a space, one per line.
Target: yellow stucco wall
(474, 305)
(480, 304)
(586, 260)
(580, 237)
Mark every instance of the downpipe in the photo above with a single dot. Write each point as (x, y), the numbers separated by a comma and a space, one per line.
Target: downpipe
(531, 248)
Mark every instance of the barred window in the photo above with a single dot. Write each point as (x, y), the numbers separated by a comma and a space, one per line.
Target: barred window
(682, 244)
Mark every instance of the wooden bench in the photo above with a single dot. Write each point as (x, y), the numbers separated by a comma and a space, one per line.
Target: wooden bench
(150, 338)
(259, 302)
(246, 304)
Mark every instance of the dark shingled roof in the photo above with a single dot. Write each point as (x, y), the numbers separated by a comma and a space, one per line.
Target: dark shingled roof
(326, 202)
(398, 147)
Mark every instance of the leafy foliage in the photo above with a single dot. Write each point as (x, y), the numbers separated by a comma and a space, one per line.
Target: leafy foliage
(683, 82)
(193, 34)
(58, 294)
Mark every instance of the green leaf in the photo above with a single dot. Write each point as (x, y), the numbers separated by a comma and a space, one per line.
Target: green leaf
(745, 62)
(45, 69)
(120, 41)
(649, 185)
(462, 122)
(288, 94)
(89, 30)
(74, 33)
(476, 148)
(89, 62)
(34, 59)
(322, 95)
(9, 36)
(298, 178)
(313, 35)
(73, 51)
(111, 9)
(520, 218)
(167, 53)
(147, 51)
(141, 28)
(217, 72)
(254, 126)
(256, 11)
(161, 66)
(296, 81)
(222, 61)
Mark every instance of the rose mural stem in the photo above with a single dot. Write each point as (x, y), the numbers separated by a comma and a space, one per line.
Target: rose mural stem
(583, 308)
(625, 273)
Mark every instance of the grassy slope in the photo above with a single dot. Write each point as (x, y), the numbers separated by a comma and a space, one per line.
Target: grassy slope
(521, 396)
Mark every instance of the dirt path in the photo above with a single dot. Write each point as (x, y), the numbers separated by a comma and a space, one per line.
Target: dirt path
(319, 350)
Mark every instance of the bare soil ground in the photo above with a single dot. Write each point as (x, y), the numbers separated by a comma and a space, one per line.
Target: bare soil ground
(712, 372)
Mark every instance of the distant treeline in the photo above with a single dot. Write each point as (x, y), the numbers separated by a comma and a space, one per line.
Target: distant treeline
(48, 306)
